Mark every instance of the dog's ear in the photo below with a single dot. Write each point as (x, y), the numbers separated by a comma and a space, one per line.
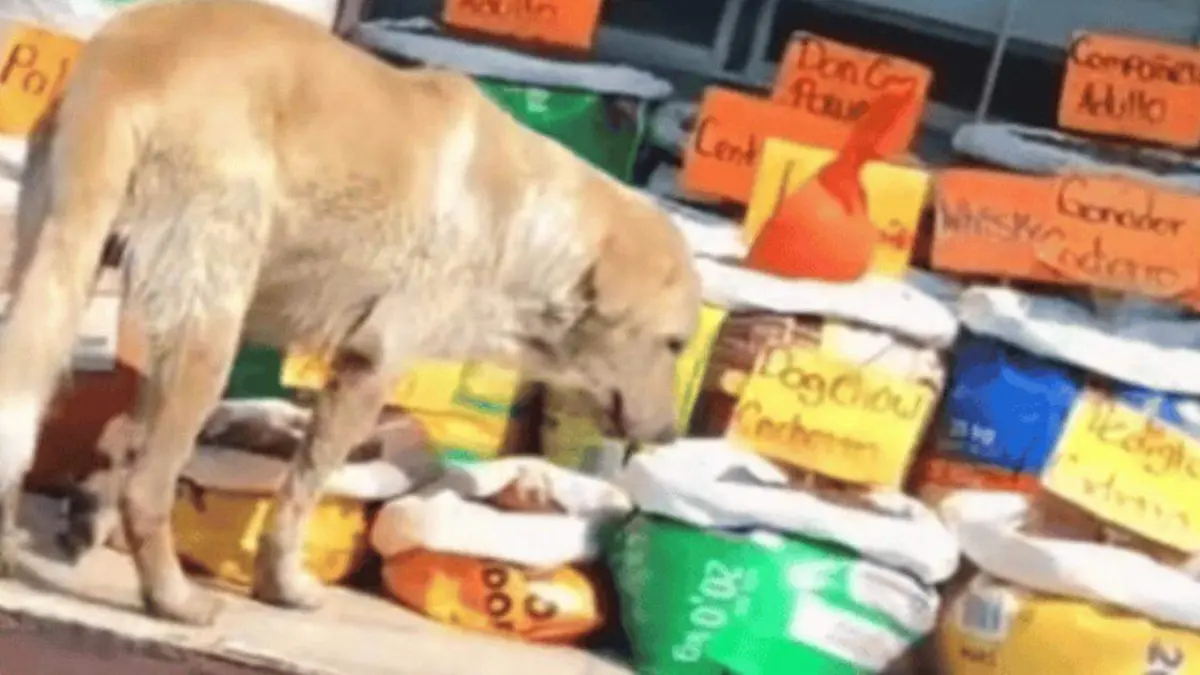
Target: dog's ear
(615, 283)
(554, 328)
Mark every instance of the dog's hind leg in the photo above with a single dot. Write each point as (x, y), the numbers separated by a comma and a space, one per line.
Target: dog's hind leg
(194, 273)
(344, 414)
(188, 371)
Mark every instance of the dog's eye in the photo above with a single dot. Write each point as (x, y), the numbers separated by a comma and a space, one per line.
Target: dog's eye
(676, 345)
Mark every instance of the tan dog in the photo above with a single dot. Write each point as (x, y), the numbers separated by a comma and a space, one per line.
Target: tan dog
(275, 183)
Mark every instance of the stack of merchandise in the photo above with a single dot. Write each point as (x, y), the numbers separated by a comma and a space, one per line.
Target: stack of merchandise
(783, 540)
(1063, 456)
(1055, 435)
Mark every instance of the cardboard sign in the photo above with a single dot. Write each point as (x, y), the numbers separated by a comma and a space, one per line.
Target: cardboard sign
(731, 129)
(832, 84)
(895, 197)
(1131, 87)
(569, 23)
(34, 65)
(430, 386)
(1106, 232)
(1130, 470)
(860, 424)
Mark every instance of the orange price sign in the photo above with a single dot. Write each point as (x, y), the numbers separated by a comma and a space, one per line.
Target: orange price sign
(34, 65)
(1101, 231)
(832, 84)
(568, 23)
(1131, 87)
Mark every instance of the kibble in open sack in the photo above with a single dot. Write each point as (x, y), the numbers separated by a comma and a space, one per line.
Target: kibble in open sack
(503, 547)
(834, 379)
(227, 489)
(1096, 416)
(1055, 604)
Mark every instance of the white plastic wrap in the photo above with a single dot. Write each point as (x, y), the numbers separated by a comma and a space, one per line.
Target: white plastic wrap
(449, 516)
(1139, 345)
(711, 483)
(987, 524)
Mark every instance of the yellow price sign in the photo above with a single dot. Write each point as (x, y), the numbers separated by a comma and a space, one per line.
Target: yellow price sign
(895, 197)
(34, 65)
(1129, 469)
(693, 363)
(857, 423)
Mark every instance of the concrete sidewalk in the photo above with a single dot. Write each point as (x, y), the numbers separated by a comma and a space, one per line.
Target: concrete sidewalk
(355, 634)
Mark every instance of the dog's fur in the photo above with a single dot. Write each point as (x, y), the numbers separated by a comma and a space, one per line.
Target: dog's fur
(272, 182)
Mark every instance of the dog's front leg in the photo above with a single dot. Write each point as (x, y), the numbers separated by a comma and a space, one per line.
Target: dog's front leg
(12, 537)
(344, 415)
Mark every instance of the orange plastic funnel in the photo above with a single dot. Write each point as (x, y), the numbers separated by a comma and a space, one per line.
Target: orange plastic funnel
(821, 231)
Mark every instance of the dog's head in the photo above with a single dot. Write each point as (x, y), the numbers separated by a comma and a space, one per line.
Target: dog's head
(635, 308)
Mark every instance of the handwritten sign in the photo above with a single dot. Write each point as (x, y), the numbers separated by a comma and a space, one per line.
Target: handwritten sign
(1106, 232)
(34, 65)
(860, 424)
(569, 23)
(1132, 87)
(731, 129)
(1130, 470)
(431, 385)
(832, 84)
(895, 197)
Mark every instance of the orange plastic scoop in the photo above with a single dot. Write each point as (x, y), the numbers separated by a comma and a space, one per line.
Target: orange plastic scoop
(821, 231)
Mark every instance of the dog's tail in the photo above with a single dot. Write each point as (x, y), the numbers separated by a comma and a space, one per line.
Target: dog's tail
(74, 183)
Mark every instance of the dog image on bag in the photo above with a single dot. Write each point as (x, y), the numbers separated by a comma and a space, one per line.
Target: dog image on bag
(275, 184)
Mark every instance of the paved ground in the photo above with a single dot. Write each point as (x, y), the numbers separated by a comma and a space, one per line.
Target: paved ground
(30, 645)
(60, 619)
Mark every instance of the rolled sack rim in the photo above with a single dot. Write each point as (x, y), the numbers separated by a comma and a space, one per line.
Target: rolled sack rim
(669, 125)
(421, 39)
(709, 483)
(1134, 346)
(890, 304)
(238, 471)
(580, 495)
(987, 523)
(444, 521)
(707, 234)
(1040, 150)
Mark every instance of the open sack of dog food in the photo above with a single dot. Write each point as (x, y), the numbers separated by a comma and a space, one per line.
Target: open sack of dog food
(1045, 603)
(729, 569)
(227, 489)
(597, 110)
(1038, 377)
(797, 353)
(508, 547)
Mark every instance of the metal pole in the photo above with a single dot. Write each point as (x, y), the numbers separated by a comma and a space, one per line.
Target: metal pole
(993, 72)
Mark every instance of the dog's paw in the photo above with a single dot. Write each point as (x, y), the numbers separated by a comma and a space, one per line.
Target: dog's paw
(295, 589)
(11, 545)
(187, 605)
